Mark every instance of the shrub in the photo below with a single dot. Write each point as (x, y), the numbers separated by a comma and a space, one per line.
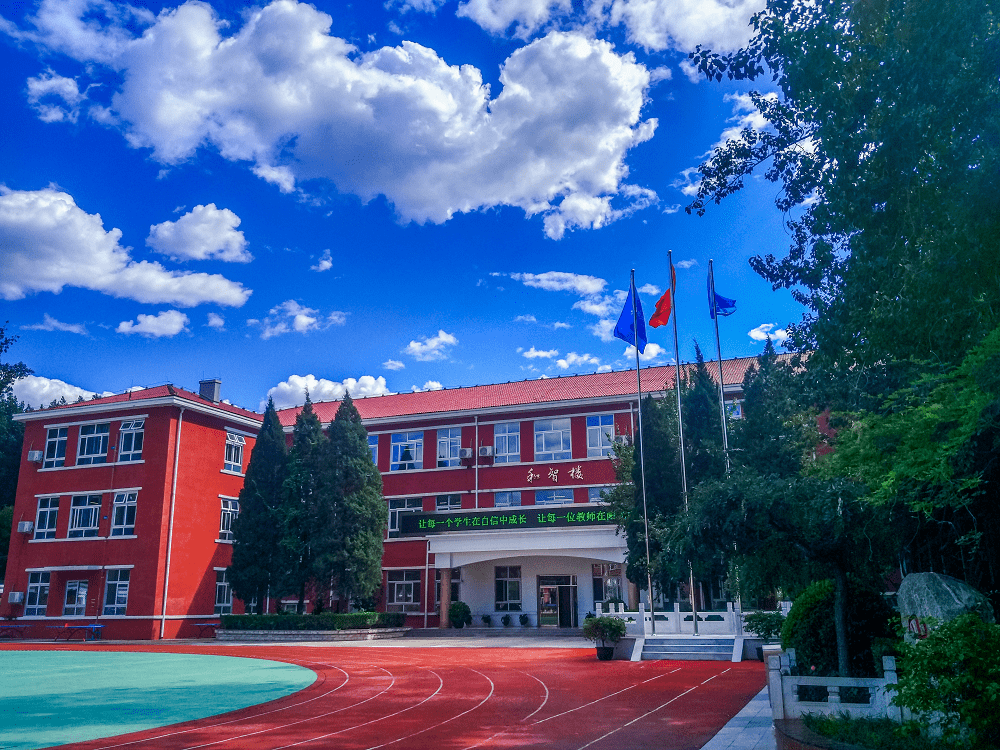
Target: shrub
(955, 672)
(884, 734)
(324, 621)
(505, 620)
(605, 630)
(487, 620)
(766, 625)
(460, 614)
(524, 619)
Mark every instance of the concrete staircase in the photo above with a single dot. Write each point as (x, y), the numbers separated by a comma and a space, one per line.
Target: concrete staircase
(689, 647)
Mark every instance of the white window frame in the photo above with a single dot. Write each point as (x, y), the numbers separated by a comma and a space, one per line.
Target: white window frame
(594, 494)
(399, 505)
(511, 499)
(84, 516)
(373, 447)
(456, 585)
(402, 591)
(93, 444)
(223, 593)
(507, 443)
(116, 591)
(55, 447)
(38, 594)
(503, 589)
(449, 442)
(123, 510)
(234, 452)
(400, 441)
(553, 439)
(46, 518)
(600, 434)
(443, 503)
(230, 510)
(77, 607)
(553, 497)
(130, 440)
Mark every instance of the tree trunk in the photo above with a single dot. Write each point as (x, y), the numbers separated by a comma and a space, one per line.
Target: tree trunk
(840, 622)
(301, 608)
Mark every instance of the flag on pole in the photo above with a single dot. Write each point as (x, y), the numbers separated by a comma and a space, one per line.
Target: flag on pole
(630, 319)
(662, 315)
(722, 305)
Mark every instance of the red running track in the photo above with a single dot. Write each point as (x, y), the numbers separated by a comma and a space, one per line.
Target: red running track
(462, 698)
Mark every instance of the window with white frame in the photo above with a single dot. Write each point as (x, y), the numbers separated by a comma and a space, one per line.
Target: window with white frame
(398, 506)
(594, 494)
(407, 451)
(552, 439)
(116, 591)
(93, 444)
(38, 594)
(447, 502)
(449, 443)
(76, 598)
(373, 447)
(734, 408)
(508, 588)
(402, 591)
(600, 434)
(84, 516)
(55, 447)
(45, 519)
(130, 440)
(123, 514)
(506, 499)
(234, 452)
(456, 585)
(507, 443)
(223, 594)
(607, 582)
(230, 509)
(553, 497)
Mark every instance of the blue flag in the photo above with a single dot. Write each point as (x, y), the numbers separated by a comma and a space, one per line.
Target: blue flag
(630, 317)
(723, 305)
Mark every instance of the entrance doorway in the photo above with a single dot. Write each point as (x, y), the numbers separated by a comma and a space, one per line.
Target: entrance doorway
(557, 602)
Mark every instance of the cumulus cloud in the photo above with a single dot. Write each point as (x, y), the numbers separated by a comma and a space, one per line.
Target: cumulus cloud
(650, 289)
(525, 319)
(393, 364)
(55, 98)
(292, 392)
(686, 263)
(534, 353)
(575, 360)
(430, 385)
(604, 329)
(684, 24)
(325, 263)
(428, 349)
(166, 323)
(280, 94)
(290, 316)
(216, 321)
(36, 391)
(47, 242)
(561, 281)
(652, 351)
(766, 331)
(559, 324)
(204, 233)
(525, 16)
(51, 324)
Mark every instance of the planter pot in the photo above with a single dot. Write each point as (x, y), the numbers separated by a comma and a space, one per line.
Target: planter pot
(605, 653)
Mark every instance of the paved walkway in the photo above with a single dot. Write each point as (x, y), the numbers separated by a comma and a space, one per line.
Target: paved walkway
(751, 729)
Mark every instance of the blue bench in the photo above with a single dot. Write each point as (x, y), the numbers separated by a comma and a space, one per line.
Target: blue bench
(89, 632)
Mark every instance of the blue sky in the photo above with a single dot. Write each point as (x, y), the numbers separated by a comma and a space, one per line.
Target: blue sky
(377, 197)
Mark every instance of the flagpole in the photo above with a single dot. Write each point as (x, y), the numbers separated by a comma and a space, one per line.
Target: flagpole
(680, 432)
(718, 349)
(642, 454)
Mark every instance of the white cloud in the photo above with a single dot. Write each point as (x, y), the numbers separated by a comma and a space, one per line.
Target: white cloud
(290, 317)
(216, 321)
(575, 360)
(51, 324)
(527, 16)
(604, 329)
(282, 95)
(431, 348)
(47, 242)
(683, 24)
(166, 323)
(766, 331)
(602, 305)
(686, 263)
(533, 353)
(292, 392)
(559, 324)
(525, 319)
(430, 385)
(650, 289)
(55, 98)
(204, 233)
(393, 364)
(561, 281)
(325, 262)
(605, 368)
(36, 391)
(652, 351)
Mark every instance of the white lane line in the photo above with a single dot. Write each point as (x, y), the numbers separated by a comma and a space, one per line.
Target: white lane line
(610, 695)
(507, 729)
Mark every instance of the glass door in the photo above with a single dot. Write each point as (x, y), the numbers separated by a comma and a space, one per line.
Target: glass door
(548, 606)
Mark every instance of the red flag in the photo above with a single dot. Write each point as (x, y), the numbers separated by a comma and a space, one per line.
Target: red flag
(662, 315)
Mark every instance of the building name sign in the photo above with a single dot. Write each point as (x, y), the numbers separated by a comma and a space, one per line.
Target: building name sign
(528, 517)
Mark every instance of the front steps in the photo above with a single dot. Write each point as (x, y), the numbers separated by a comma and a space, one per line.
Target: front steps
(690, 647)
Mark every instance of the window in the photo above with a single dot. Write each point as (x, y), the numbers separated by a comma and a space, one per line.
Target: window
(403, 591)
(223, 594)
(93, 444)
(553, 497)
(456, 585)
(123, 514)
(552, 439)
(130, 440)
(84, 515)
(506, 499)
(600, 435)
(230, 509)
(373, 447)
(55, 447)
(234, 452)
(45, 520)
(76, 598)
(607, 582)
(734, 409)
(594, 494)
(38, 594)
(407, 451)
(508, 588)
(116, 591)
(448, 502)
(398, 506)
(449, 442)
(507, 443)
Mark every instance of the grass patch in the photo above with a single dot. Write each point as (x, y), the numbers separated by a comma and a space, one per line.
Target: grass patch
(878, 734)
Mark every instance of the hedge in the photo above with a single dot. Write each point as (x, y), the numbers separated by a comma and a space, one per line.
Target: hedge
(324, 621)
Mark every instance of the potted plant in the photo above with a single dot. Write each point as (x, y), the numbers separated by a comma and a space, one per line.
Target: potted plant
(487, 621)
(524, 620)
(505, 620)
(766, 626)
(460, 614)
(605, 632)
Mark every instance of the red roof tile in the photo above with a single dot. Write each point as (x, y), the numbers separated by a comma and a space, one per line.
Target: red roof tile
(156, 392)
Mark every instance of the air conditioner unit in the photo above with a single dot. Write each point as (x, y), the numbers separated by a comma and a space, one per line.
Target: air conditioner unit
(35, 457)
(486, 450)
(25, 527)
(465, 453)
(16, 597)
